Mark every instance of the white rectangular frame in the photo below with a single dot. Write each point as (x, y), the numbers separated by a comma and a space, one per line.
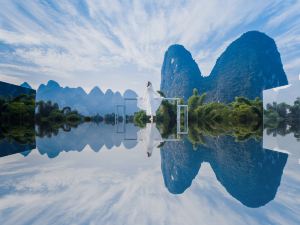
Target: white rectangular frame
(186, 119)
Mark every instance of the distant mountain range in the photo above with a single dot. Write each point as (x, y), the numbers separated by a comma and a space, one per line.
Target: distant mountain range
(95, 102)
(248, 66)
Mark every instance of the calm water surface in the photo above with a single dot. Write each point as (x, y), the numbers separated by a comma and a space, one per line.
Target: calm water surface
(97, 174)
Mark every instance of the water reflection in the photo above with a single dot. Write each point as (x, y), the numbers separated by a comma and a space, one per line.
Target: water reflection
(9, 147)
(16, 139)
(150, 137)
(250, 173)
(95, 135)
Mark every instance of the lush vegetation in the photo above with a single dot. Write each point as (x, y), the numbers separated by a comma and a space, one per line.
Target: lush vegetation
(50, 118)
(50, 112)
(19, 133)
(140, 118)
(282, 118)
(242, 111)
(165, 118)
(242, 118)
(17, 118)
(18, 110)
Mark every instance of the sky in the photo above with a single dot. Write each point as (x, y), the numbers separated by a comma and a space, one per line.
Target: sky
(120, 44)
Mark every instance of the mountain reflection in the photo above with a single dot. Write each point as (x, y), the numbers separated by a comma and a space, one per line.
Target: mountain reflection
(16, 139)
(9, 147)
(248, 172)
(95, 135)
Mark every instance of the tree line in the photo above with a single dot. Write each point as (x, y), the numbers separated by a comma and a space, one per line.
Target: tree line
(241, 118)
(282, 118)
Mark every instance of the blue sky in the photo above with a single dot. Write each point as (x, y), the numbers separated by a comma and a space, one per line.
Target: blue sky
(120, 44)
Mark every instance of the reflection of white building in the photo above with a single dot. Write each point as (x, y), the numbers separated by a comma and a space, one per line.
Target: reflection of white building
(286, 144)
(287, 94)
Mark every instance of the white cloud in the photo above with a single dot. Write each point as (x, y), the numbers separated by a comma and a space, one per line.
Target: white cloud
(121, 186)
(65, 42)
(289, 10)
(10, 79)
